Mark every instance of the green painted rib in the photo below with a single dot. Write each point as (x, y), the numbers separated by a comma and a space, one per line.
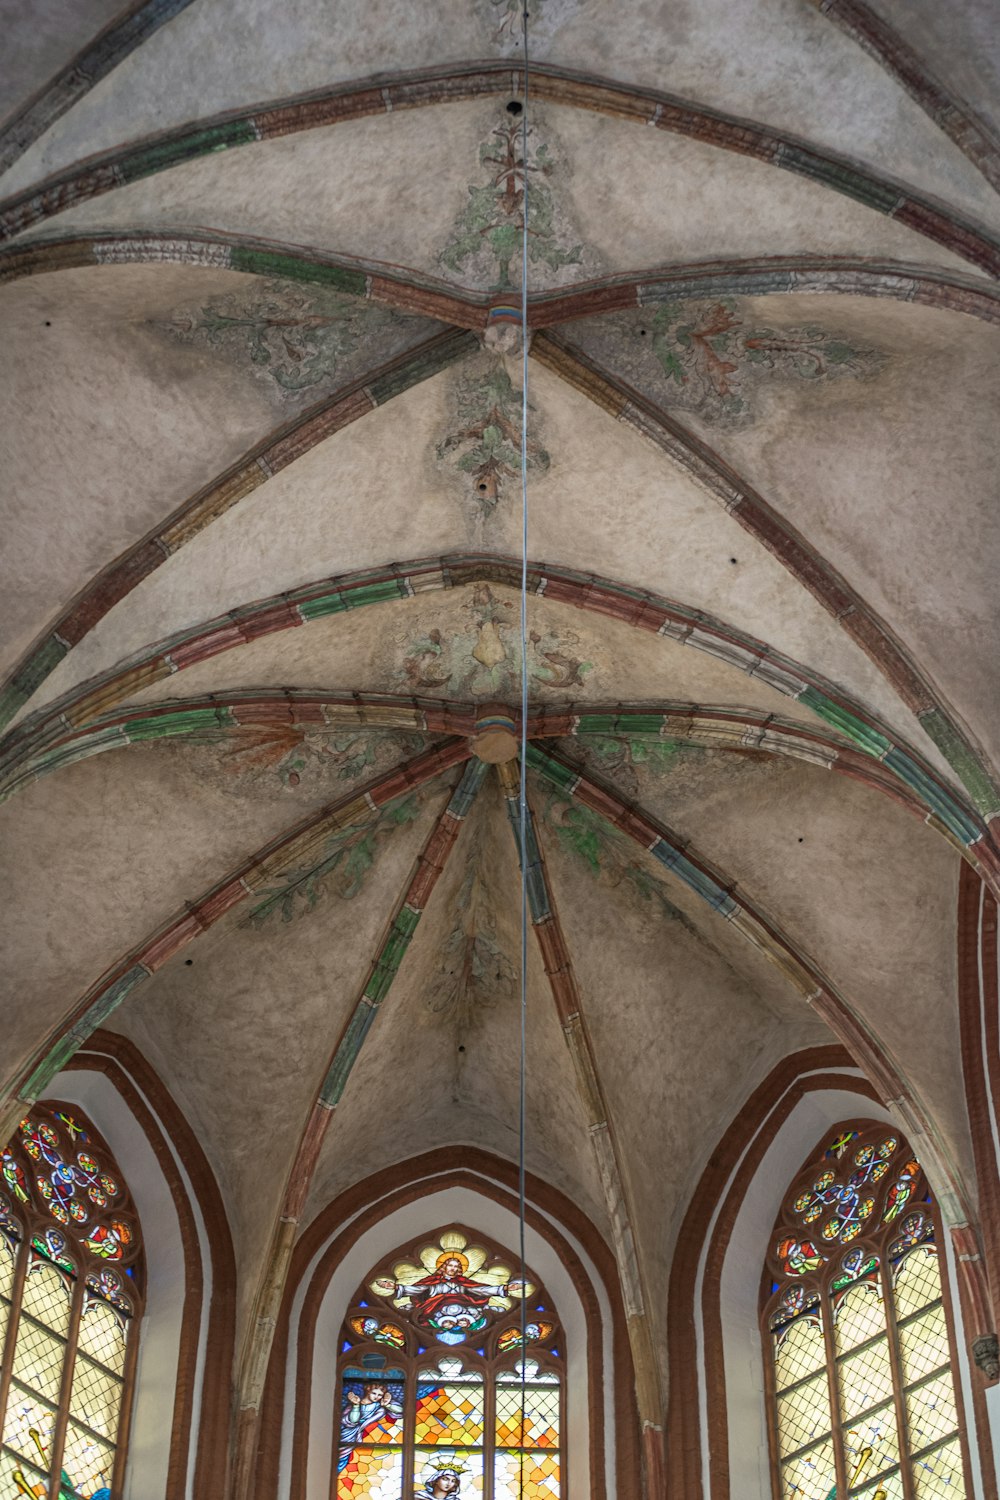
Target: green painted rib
(696, 880)
(29, 678)
(935, 797)
(561, 775)
(339, 600)
(173, 153)
(184, 721)
(856, 730)
(844, 179)
(985, 796)
(59, 1055)
(347, 1053)
(297, 268)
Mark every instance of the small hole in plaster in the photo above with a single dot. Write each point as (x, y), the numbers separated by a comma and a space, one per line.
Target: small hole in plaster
(47, 323)
(733, 559)
(642, 332)
(801, 841)
(515, 107)
(482, 487)
(188, 962)
(461, 1047)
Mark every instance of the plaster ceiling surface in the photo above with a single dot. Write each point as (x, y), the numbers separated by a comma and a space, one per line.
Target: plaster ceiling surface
(958, 43)
(771, 60)
(39, 40)
(860, 424)
(624, 196)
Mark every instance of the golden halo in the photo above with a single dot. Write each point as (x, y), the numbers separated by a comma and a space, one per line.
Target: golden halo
(447, 1255)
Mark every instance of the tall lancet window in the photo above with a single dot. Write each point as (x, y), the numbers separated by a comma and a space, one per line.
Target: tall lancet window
(441, 1393)
(858, 1348)
(71, 1281)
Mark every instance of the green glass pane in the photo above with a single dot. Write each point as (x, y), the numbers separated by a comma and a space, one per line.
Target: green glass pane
(940, 1474)
(864, 1378)
(809, 1476)
(923, 1344)
(859, 1316)
(38, 1359)
(533, 1475)
(804, 1413)
(931, 1412)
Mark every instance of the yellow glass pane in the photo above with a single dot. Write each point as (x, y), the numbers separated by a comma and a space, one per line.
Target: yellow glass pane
(859, 1316)
(804, 1413)
(88, 1460)
(940, 1474)
(924, 1344)
(29, 1423)
(47, 1297)
(885, 1487)
(96, 1398)
(535, 1475)
(38, 1358)
(103, 1336)
(371, 1474)
(931, 1412)
(918, 1281)
(871, 1444)
(466, 1464)
(449, 1414)
(540, 1425)
(801, 1352)
(809, 1475)
(864, 1378)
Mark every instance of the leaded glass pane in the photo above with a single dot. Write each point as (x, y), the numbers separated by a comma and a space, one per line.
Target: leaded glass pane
(30, 1422)
(371, 1409)
(38, 1358)
(931, 1412)
(33, 1478)
(535, 1475)
(865, 1378)
(448, 1413)
(102, 1336)
(47, 1297)
(538, 1427)
(87, 1459)
(4, 1318)
(940, 1473)
(804, 1413)
(371, 1474)
(96, 1398)
(809, 1474)
(924, 1344)
(918, 1281)
(6, 1267)
(466, 1464)
(859, 1316)
(871, 1444)
(801, 1352)
(886, 1487)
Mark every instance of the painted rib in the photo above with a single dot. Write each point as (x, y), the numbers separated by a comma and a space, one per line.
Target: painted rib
(569, 1008)
(102, 173)
(798, 556)
(283, 853)
(276, 452)
(385, 967)
(97, 59)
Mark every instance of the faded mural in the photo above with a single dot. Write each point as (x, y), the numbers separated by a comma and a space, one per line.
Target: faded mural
(484, 445)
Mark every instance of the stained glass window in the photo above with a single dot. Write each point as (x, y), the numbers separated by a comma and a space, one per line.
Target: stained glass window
(71, 1282)
(859, 1359)
(451, 1380)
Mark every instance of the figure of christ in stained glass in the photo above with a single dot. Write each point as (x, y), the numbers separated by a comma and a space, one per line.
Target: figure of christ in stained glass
(457, 1294)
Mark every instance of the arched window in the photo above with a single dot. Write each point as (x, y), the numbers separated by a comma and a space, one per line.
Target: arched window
(862, 1399)
(438, 1397)
(71, 1269)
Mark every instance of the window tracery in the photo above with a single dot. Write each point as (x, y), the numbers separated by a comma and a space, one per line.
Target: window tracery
(71, 1292)
(441, 1391)
(857, 1346)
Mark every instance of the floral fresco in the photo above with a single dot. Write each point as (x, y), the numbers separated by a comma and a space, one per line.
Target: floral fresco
(485, 444)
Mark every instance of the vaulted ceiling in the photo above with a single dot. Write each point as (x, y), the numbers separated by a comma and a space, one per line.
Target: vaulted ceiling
(262, 396)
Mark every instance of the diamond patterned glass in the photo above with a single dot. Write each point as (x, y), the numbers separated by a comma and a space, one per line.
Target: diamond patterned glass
(449, 1413)
(431, 1464)
(931, 1412)
(87, 1459)
(10, 1461)
(38, 1358)
(540, 1428)
(27, 1412)
(940, 1473)
(859, 1316)
(47, 1297)
(371, 1473)
(865, 1378)
(809, 1474)
(538, 1472)
(886, 1487)
(96, 1398)
(923, 1343)
(918, 1281)
(804, 1413)
(6, 1268)
(801, 1352)
(871, 1444)
(103, 1335)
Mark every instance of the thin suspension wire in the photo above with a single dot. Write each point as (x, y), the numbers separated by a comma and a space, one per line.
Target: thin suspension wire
(523, 796)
